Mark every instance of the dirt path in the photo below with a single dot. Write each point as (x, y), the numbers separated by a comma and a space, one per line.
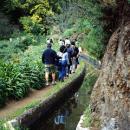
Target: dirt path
(13, 106)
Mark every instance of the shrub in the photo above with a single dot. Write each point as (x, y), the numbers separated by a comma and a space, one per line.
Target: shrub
(17, 79)
(25, 41)
(32, 24)
(93, 42)
(32, 57)
(8, 48)
(69, 32)
(17, 84)
(22, 71)
(37, 79)
(87, 120)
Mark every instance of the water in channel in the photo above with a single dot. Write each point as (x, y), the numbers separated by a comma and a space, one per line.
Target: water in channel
(68, 115)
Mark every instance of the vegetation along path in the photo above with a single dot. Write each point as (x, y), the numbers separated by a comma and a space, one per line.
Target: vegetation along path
(13, 106)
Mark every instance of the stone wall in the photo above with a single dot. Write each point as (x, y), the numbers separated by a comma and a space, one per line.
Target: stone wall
(110, 99)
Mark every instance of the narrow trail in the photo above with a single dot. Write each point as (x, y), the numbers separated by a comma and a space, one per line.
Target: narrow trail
(13, 106)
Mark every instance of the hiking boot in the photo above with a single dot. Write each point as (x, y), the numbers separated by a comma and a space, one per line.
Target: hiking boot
(47, 84)
(53, 82)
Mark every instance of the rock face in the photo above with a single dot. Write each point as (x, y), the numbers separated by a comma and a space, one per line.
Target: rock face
(110, 99)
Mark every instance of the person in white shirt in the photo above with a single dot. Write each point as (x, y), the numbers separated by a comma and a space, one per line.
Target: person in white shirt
(61, 42)
(67, 41)
(62, 62)
(49, 40)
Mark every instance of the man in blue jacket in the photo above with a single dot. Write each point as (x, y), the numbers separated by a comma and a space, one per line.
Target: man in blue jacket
(49, 57)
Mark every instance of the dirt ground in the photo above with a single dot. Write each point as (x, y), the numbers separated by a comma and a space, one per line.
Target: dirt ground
(13, 106)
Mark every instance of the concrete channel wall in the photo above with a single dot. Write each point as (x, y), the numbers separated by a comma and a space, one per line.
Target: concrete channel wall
(29, 118)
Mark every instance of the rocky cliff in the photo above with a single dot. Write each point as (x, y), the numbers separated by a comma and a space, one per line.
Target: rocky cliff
(110, 99)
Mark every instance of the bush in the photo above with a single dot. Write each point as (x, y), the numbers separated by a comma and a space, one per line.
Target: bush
(32, 57)
(8, 48)
(25, 41)
(69, 32)
(87, 120)
(32, 24)
(37, 79)
(93, 42)
(17, 84)
(16, 78)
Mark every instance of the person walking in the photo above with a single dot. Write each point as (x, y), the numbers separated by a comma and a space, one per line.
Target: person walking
(63, 62)
(61, 42)
(49, 40)
(67, 41)
(70, 54)
(49, 57)
(74, 57)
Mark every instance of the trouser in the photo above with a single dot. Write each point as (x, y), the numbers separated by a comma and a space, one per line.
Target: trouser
(62, 71)
(74, 64)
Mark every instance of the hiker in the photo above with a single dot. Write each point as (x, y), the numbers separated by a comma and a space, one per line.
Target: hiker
(75, 56)
(80, 50)
(61, 42)
(63, 62)
(67, 42)
(70, 53)
(49, 57)
(49, 40)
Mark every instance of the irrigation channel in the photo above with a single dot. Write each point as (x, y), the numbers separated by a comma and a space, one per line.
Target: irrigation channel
(62, 110)
(67, 114)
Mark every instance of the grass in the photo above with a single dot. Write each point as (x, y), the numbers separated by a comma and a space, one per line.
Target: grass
(89, 81)
(87, 119)
(49, 93)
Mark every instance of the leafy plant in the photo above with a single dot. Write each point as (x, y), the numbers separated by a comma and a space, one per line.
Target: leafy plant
(87, 120)
(32, 24)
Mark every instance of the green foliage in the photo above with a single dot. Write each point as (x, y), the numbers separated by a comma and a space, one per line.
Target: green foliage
(33, 57)
(20, 73)
(93, 42)
(17, 84)
(87, 120)
(32, 24)
(42, 8)
(83, 20)
(31, 12)
(69, 32)
(9, 48)
(1, 125)
(16, 80)
(89, 81)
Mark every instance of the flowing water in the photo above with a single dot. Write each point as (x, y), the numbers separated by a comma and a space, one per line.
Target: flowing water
(68, 115)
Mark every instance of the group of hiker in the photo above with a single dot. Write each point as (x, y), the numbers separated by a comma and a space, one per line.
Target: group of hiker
(64, 61)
